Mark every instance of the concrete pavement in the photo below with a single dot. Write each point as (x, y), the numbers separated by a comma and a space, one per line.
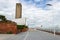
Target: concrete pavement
(34, 35)
(5, 36)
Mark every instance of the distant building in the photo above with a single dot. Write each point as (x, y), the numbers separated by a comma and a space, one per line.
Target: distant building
(18, 16)
(18, 10)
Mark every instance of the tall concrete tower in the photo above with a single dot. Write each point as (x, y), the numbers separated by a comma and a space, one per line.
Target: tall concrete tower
(18, 10)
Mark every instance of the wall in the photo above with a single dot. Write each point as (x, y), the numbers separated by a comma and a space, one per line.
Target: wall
(20, 21)
(8, 27)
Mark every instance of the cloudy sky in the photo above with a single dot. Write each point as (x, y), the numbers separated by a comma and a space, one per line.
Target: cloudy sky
(35, 11)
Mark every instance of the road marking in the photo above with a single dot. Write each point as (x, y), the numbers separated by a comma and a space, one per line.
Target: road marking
(26, 35)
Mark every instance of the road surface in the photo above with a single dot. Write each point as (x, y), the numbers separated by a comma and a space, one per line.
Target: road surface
(34, 35)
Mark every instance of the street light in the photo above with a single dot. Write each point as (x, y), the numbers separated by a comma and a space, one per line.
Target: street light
(48, 4)
(54, 27)
(54, 31)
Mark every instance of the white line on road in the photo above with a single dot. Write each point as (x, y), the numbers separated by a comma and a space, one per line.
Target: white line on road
(26, 35)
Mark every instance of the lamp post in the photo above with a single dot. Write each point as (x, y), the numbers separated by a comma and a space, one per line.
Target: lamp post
(25, 21)
(54, 30)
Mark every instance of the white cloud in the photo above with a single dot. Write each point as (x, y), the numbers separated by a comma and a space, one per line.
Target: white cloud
(40, 16)
(8, 7)
(55, 9)
(36, 15)
(38, 0)
(33, 14)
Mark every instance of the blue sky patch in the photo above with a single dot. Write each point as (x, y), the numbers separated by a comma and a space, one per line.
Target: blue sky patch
(38, 4)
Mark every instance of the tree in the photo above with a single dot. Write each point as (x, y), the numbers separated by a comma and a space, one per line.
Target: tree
(2, 18)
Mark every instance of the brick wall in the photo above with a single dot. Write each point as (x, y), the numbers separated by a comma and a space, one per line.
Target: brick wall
(8, 26)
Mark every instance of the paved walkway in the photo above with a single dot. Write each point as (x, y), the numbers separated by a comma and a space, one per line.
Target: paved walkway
(34, 35)
(5, 36)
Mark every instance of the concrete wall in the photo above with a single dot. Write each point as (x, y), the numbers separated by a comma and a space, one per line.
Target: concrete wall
(20, 21)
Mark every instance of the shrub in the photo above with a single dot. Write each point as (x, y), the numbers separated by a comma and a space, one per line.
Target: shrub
(26, 26)
(21, 26)
(9, 32)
